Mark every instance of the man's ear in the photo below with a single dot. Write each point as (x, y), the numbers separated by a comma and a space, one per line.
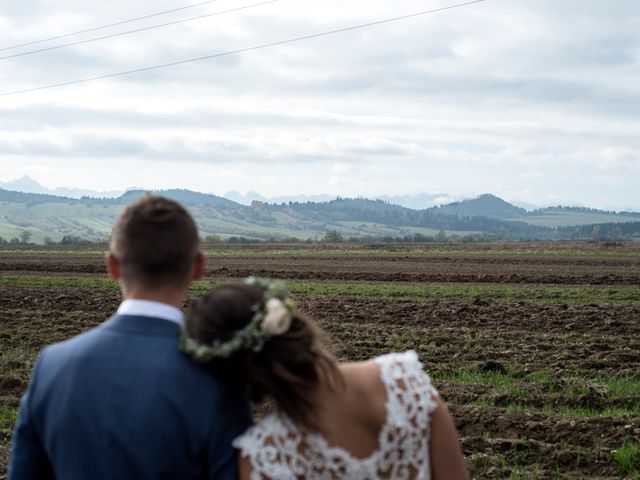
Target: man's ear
(113, 267)
(199, 266)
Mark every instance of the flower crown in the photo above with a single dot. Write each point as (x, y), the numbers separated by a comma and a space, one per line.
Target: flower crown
(271, 317)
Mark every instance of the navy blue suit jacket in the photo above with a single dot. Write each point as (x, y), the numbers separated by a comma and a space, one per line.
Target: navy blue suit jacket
(121, 401)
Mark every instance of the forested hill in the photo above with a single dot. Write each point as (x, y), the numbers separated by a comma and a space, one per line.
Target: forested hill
(51, 218)
(8, 196)
(487, 205)
(186, 197)
(380, 212)
(494, 207)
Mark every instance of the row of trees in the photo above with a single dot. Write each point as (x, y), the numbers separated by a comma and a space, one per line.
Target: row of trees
(23, 238)
(600, 232)
(603, 233)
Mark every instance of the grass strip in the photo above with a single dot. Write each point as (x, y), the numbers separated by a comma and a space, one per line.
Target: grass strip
(457, 292)
(62, 282)
(552, 410)
(554, 389)
(426, 250)
(464, 291)
(546, 382)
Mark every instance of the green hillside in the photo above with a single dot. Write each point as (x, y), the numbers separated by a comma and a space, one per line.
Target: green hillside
(553, 217)
(48, 217)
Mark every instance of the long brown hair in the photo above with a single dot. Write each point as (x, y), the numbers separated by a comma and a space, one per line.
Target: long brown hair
(288, 368)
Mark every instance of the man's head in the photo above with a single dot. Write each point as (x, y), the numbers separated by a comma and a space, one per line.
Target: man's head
(155, 246)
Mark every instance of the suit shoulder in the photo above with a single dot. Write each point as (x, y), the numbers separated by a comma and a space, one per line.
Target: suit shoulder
(72, 344)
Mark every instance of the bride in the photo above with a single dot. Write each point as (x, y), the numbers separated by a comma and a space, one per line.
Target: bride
(380, 419)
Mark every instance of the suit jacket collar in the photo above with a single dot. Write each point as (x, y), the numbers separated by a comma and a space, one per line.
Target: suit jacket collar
(139, 325)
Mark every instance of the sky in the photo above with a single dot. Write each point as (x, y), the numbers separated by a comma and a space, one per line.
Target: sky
(535, 101)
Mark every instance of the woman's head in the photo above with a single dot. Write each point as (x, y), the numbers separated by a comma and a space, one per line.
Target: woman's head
(251, 336)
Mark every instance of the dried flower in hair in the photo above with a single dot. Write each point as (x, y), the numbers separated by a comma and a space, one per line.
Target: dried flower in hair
(277, 317)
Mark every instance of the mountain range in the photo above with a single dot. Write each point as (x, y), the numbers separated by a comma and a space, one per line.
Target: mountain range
(29, 185)
(417, 201)
(487, 217)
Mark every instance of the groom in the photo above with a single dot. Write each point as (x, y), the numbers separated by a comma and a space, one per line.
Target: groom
(120, 401)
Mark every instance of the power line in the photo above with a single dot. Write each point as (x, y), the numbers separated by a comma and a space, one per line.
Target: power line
(102, 27)
(240, 50)
(151, 27)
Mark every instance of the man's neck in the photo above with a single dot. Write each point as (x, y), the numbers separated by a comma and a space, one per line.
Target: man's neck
(174, 298)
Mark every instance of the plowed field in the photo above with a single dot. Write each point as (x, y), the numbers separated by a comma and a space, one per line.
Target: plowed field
(536, 347)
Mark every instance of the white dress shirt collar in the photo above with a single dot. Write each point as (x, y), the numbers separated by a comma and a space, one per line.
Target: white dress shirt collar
(149, 308)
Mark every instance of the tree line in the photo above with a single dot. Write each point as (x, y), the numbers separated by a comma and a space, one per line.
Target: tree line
(627, 231)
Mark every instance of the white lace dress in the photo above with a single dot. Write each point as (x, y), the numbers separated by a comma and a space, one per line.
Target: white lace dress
(277, 449)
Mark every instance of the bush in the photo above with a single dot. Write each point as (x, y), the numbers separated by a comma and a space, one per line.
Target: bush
(332, 236)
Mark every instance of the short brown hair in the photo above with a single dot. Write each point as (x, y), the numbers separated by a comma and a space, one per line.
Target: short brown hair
(287, 369)
(156, 242)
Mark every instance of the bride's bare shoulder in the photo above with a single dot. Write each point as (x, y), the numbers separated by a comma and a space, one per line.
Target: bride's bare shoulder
(364, 376)
(364, 387)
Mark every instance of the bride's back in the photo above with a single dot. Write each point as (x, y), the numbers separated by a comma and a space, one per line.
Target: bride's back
(377, 427)
(351, 417)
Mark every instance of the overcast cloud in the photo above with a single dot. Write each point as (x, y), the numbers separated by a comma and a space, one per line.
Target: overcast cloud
(535, 101)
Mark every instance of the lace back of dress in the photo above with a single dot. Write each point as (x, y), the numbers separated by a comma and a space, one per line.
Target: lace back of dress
(278, 450)
(404, 446)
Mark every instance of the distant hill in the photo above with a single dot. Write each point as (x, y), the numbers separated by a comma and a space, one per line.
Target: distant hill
(485, 205)
(31, 198)
(51, 217)
(186, 197)
(575, 216)
(488, 205)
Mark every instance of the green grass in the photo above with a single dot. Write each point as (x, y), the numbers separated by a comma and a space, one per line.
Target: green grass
(575, 412)
(35, 251)
(423, 250)
(61, 282)
(519, 459)
(624, 387)
(546, 381)
(8, 416)
(490, 378)
(628, 458)
(460, 292)
(412, 251)
(18, 361)
(382, 291)
(545, 387)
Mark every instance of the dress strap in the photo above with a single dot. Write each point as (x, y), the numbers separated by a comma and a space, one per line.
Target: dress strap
(410, 394)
